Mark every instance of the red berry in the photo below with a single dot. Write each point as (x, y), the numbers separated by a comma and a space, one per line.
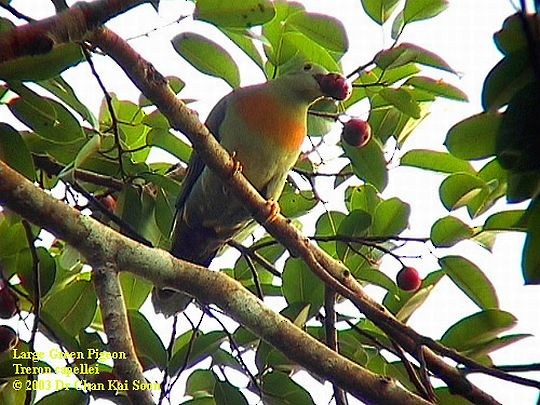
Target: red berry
(408, 279)
(356, 132)
(8, 339)
(109, 202)
(334, 85)
(9, 303)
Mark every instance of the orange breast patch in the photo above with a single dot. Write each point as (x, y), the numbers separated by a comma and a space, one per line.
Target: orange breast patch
(264, 115)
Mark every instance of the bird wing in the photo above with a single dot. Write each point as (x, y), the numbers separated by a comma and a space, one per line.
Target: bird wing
(196, 164)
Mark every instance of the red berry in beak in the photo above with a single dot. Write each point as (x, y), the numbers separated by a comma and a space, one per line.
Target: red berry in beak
(356, 132)
(334, 85)
(408, 279)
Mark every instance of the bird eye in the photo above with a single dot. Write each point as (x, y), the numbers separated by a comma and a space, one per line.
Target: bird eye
(307, 66)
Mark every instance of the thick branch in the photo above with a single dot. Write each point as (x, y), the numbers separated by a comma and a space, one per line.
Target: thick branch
(115, 322)
(101, 244)
(68, 26)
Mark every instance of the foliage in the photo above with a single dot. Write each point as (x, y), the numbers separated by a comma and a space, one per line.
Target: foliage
(66, 147)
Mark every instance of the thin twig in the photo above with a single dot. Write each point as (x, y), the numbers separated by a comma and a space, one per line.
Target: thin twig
(37, 301)
(170, 347)
(330, 320)
(110, 108)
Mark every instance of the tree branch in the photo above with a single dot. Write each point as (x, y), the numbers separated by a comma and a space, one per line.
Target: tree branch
(115, 323)
(101, 244)
(70, 25)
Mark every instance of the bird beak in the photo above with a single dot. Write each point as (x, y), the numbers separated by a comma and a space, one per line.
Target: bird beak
(333, 85)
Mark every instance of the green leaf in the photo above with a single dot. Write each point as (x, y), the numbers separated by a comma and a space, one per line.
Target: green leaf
(379, 10)
(46, 117)
(368, 163)
(530, 263)
(391, 217)
(276, 52)
(416, 10)
(445, 397)
(474, 137)
(438, 88)
(301, 285)
(506, 78)
(167, 141)
(14, 151)
(471, 280)
(200, 383)
(355, 224)
(164, 212)
(403, 304)
(72, 306)
(402, 100)
(175, 83)
(67, 396)
(319, 126)
(522, 186)
(207, 57)
(326, 31)
(230, 13)
(61, 89)
(327, 225)
(387, 121)
(295, 203)
(279, 389)
(436, 161)
(511, 220)
(203, 346)
(511, 37)
(448, 231)
(46, 266)
(460, 189)
(148, 345)
(397, 26)
(243, 39)
(43, 66)
(406, 53)
(306, 49)
(225, 394)
(88, 150)
(518, 143)
(478, 328)
(378, 278)
(363, 197)
(134, 290)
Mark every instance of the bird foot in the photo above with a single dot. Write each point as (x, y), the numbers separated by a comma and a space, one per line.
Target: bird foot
(273, 211)
(236, 164)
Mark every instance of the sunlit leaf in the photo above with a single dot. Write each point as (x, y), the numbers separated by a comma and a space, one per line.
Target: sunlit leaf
(474, 137)
(471, 280)
(478, 328)
(379, 10)
(448, 231)
(227, 13)
(207, 57)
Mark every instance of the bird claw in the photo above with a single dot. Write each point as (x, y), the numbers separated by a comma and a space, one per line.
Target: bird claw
(273, 211)
(236, 164)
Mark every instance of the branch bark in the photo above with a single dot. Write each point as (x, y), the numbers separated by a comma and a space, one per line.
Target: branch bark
(70, 25)
(101, 244)
(115, 323)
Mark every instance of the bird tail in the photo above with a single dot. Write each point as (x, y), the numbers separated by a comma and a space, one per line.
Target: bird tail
(197, 246)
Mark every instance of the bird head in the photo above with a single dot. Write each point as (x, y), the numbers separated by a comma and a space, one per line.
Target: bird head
(312, 82)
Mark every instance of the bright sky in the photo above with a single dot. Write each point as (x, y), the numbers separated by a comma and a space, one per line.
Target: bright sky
(463, 37)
